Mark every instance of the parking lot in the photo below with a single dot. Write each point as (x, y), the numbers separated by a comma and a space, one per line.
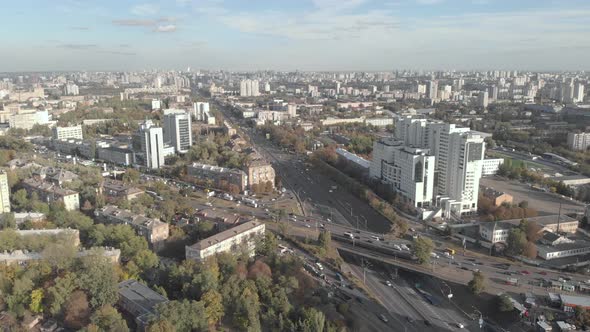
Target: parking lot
(545, 203)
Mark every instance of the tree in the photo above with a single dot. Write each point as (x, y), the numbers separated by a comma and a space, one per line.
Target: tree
(161, 325)
(60, 292)
(36, 304)
(515, 242)
(131, 176)
(311, 320)
(98, 278)
(532, 231)
(20, 199)
(523, 204)
(107, 318)
(214, 310)
(530, 250)
(325, 239)
(422, 249)
(184, 315)
(77, 310)
(146, 259)
(504, 303)
(7, 221)
(477, 284)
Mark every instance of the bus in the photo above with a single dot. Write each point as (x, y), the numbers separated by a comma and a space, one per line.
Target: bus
(450, 251)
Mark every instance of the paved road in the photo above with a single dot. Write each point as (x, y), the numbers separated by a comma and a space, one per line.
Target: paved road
(314, 190)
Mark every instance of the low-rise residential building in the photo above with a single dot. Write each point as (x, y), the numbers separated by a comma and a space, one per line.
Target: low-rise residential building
(359, 162)
(21, 257)
(114, 190)
(140, 301)
(22, 217)
(154, 230)
(564, 249)
(260, 172)
(57, 176)
(497, 197)
(490, 166)
(221, 176)
(231, 240)
(495, 232)
(498, 231)
(48, 192)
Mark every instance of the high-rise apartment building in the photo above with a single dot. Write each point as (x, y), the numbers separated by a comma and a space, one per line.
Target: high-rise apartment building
(177, 130)
(432, 89)
(482, 99)
(68, 132)
(249, 88)
(409, 171)
(4, 193)
(579, 93)
(578, 141)
(148, 144)
(71, 89)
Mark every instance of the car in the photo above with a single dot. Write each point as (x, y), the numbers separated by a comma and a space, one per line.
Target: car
(307, 225)
(396, 247)
(376, 238)
(464, 268)
(322, 226)
(412, 230)
(427, 322)
(543, 273)
(359, 299)
(388, 283)
(525, 272)
(383, 318)
(460, 325)
(410, 319)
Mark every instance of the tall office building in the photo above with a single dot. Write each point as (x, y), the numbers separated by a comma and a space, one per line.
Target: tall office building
(177, 130)
(493, 92)
(409, 171)
(432, 89)
(578, 141)
(482, 99)
(148, 144)
(4, 193)
(249, 88)
(579, 93)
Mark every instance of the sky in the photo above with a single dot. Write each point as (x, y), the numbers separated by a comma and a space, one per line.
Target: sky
(327, 35)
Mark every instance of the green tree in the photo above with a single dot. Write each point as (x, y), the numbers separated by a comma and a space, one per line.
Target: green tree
(325, 239)
(477, 284)
(504, 303)
(107, 318)
(59, 293)
(7, 221)
(36, 304)
(422, 248)
(185, 315)
(214, 310)
(20, 200)
(146, 259)
(515, 242)
(311, 320)
(131, 176)
(98, 278)
(161, 325)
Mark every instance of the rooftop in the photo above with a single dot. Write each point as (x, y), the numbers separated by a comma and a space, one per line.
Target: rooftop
(225, 235)
(143, 297)
(575, 300)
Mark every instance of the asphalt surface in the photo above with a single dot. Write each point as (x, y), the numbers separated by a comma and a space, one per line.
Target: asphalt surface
(313, 190)
(545, 203)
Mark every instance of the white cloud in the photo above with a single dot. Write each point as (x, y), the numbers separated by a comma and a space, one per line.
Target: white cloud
(145, 9)
(165, 28)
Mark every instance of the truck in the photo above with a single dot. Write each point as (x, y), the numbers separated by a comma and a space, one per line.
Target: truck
(227, 197)
(210, 193)
(250, 202)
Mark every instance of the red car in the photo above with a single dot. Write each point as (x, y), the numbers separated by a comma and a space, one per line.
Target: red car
(525, 272)
(543, 273)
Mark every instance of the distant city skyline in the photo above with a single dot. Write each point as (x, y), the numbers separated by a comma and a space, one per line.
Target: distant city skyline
(323, 35)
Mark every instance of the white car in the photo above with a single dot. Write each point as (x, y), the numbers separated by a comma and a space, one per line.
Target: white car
(405, 247)
(376, 238)
(396, 247)
(388, 283)
(461, 326)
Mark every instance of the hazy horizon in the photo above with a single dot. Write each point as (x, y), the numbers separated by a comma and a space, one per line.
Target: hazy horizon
(315, 35)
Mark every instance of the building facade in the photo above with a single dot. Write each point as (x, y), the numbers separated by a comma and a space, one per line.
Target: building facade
(490, 166)
(578, 141)
(178, 130)
(4, 192)
(67, 132)
(219, 175)
(155, 231)
(148, 144)
(49, 193)
(409, 171)
(27, 119)
(260, 172)
(239, 237)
